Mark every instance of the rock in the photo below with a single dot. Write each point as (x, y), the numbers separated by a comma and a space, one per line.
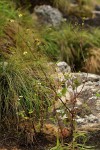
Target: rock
(92, 133)
(92, 119)
(88, 96)
(97, 7)
(48, 15)
(63, 67)
(96, 13)
(86, 77)
(95, 22)
(80, 120)
(73, 1)
(86, 88)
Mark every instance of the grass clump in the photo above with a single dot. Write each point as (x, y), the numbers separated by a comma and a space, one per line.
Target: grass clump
(23, 86)
(49, 44)
(71, 44)
(76, 44)
(7, 13)
(19, 78)
(24, 89)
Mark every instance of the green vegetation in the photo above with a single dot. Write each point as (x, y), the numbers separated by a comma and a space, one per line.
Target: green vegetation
(74, 45)
(26, 48)
(24, 89)
(7, 12)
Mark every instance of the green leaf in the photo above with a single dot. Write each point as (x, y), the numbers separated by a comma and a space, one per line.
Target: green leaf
(64, 90)
(97, 94)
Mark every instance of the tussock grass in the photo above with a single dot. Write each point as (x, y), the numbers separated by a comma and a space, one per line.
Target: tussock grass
(92, 63)
(24, 88)
(7, 12)
(70, 43)
(81, 9)
(62, 5)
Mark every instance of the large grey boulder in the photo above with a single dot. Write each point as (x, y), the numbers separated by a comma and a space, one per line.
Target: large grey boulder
(48, 15)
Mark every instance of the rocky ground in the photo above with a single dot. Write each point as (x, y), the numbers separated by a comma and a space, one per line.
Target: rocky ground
(87, 92)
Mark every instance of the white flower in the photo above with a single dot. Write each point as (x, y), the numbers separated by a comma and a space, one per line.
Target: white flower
(27, 29)
(21, 96)
(11, 20)
(25, 53)
(39, 83)
(20, 15)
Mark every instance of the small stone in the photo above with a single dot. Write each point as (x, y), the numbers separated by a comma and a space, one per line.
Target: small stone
(92, 119)
(80, 120)
(97, 7)
(63, 67)
(98, 105)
